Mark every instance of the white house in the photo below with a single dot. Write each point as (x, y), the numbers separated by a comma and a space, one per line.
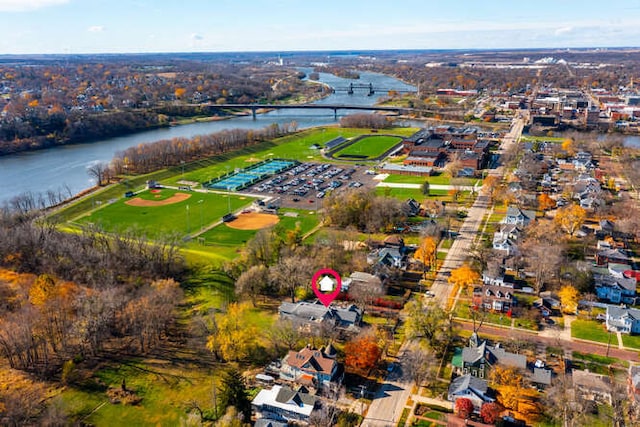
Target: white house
(281, 403)
(472, 388)
(519, 216)
(623, 319)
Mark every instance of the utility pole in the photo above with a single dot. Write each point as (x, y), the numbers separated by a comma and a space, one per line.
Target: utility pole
(200, 202)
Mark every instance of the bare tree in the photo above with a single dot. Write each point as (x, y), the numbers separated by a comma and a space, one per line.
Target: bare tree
(99, 171)
(290, 273)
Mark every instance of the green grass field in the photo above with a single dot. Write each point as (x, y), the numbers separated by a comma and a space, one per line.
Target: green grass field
(529, 138)
(181, 218)
(223, 243)
(368, 147)
(592, 331)
(631, 341)
(295, 147)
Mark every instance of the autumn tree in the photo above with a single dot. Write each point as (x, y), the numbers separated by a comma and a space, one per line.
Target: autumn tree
(426, 253)
(291, 273)
(464, 407)
(568, 146)
(431, 323)
(570, 218)
(99, 171)
(545, 202)
(464, 276)
(362, 353)
(569, 299)
(490, 412)
(232, 337)
(253, 282)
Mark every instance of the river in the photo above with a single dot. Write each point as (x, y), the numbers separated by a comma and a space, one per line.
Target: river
(65, 168)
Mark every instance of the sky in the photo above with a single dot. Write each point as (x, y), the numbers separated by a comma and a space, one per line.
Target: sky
(123, 26)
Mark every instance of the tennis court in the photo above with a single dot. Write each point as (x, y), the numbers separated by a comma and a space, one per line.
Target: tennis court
(250, 175)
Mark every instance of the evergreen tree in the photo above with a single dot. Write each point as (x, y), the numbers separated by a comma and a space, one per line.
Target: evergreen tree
(234, 393)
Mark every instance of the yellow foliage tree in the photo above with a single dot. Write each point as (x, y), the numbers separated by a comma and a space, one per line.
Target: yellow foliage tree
(464, 276)
(426, 253)
(567, 146)
(569, 299)
(570, 218)
(233, 337)
(42, 289)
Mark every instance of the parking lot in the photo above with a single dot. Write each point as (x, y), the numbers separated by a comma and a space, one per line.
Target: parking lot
(307, 184)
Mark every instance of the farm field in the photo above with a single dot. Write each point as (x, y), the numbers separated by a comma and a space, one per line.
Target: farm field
(182, 215)
(368, 147)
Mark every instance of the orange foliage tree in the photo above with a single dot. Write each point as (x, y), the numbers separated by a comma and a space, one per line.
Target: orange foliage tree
(464, 407)
(464, 276)
(362, 353)
(545, 202)
(569, 299)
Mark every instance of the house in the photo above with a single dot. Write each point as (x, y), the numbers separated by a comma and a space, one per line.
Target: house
(478, 359)
(541, 377)
(549, 304)
(519, 216)
(622, 319)
(615, 289)
(592, 386)
(311, 367)
(494, 298)
(365, 280)
(387, 257)
(315, 316)
(504, 244)
(283, 404)
(501, 279)
(472, 388)
(605, 256)
(412, 207)
(633, 382)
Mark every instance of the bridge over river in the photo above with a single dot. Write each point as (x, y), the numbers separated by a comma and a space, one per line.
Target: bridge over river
(335, 107)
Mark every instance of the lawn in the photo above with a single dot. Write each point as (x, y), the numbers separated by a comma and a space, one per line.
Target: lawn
(631, 341)
(592, 331)
(162, 386)
(369, 147)
(529, 138)
(182, 217)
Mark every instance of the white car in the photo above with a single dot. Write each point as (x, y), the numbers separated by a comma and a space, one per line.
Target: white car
(429, 294)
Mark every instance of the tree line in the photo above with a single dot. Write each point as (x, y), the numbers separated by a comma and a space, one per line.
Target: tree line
(152, 156)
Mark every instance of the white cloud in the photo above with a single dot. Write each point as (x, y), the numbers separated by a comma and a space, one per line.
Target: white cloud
(96, 29)
(196, 37)
(563, 30)
(25, 5)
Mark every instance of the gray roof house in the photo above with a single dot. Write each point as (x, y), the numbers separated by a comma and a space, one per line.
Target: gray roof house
(615, 289)
(472, 388)
(311, 316)
(519, 216)
(282, 403)
(622, 319)
(477, 360)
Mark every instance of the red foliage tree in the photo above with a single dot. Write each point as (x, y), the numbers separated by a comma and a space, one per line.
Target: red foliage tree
(362, 353)
(490, 412)
(464, 407)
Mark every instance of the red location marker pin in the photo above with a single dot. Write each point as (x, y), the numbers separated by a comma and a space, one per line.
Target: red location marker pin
(326, 284)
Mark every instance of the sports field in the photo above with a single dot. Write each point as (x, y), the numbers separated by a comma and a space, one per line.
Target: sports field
(368, 147)
(161, 212)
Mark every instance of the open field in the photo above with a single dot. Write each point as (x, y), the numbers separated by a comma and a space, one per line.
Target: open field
(368, 147)
(181, 217)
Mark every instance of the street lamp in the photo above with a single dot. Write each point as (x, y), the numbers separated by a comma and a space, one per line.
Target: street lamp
(229, 197)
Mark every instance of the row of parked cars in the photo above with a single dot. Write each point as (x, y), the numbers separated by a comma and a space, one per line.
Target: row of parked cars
(307, 178)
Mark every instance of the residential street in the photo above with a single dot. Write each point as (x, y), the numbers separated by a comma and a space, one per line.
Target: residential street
(386, 408)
